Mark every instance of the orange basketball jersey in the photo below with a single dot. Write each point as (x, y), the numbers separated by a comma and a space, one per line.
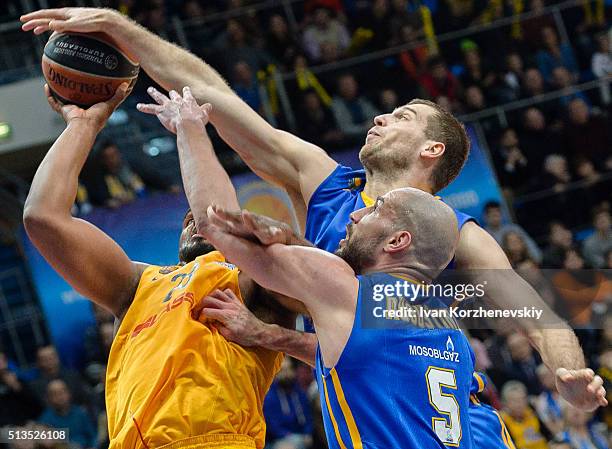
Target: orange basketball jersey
(172, 380)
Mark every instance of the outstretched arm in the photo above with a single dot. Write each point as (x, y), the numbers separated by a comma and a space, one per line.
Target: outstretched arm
(275, 155)
(82, 254)
(204, 178)
(554, 340)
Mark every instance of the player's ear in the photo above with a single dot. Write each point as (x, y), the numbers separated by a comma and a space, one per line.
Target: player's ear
(433, 150)
(398, 241)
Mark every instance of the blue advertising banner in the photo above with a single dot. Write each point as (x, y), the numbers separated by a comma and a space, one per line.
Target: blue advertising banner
(148, 230)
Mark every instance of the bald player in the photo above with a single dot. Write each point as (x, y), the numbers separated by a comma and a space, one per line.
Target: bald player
(374, 391)
(172, 382)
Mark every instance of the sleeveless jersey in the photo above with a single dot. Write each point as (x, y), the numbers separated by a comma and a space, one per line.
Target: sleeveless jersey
(172, 378)
(329, 209)
(395, 387)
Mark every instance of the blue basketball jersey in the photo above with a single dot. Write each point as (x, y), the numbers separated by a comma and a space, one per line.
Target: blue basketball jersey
(404, 387)
(329, 209)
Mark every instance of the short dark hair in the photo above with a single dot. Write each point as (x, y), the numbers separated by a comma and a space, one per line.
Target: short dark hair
(443, 127)
(491, 205)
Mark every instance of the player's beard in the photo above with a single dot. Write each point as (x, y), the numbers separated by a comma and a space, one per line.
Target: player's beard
(193, 248)
(359, 253)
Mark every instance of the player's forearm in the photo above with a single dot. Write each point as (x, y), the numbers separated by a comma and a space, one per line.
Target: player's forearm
(549, 334)
(299, 345)
(205, 180)
(559, 348)
(168, 64)
(55, 184)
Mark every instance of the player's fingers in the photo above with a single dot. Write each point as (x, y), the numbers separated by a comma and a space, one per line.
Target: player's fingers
(221, 296)
(206, 108)
(153, 109)
(31, 24)
(157, 95)
(206, 302)
(563, 374)
(601, 397)
(60, 25)
(187, 95)
(51, 100)
(230, 295)
(595, 384)
(120, 94)
(52, 13)
(174, 95)
(215, 314)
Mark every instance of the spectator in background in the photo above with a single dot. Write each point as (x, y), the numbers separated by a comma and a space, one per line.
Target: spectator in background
(438, 80)
(533, 84)
(519, 417)
(537, 140)
(317, 123)
(587, 135)
(562, 80)
(475, 101)
(523, 363)
(531, 28)
(352, 111)
(600, 242)
(547, 404)
(553, 54)
(597, 188)
(532, 273)
(49, 369)
(515, 248)
(62, 414)
(388, 100)
(513, 167)
(112, 182)
(495, 226)
(577, 431)
(236, 45)
(287, 412)
(556, 175)
(474, 72)
(19, 404)
(245, 85)
(580, 290)
(601, 64)
(325, 30)
(512, 78)
(560, 239)
(376, 20)
(281, 44)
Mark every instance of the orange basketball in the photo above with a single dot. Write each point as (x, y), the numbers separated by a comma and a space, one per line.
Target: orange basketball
(85, 69)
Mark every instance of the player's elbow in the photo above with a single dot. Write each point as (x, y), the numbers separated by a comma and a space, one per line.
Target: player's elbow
(37, 221)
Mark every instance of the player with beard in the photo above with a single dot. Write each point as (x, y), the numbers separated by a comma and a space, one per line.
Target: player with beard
(374, 392)
(417, 145)
(172, 381)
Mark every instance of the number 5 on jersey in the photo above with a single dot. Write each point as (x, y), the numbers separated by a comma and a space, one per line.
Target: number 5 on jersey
(447, 429)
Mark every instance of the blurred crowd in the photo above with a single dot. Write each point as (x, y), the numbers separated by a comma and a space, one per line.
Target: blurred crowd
(552, 159)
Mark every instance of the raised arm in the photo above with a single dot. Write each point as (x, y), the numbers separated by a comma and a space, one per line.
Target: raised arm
(277, 156)
(554, 340)
(205, 180)
(82, 254)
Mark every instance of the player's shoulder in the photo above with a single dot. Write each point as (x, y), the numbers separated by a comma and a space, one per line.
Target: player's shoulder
(341, 178)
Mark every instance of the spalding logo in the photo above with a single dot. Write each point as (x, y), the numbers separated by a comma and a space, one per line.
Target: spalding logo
(111, 62)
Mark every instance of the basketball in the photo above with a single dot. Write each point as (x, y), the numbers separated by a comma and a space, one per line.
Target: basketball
(85, 69)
